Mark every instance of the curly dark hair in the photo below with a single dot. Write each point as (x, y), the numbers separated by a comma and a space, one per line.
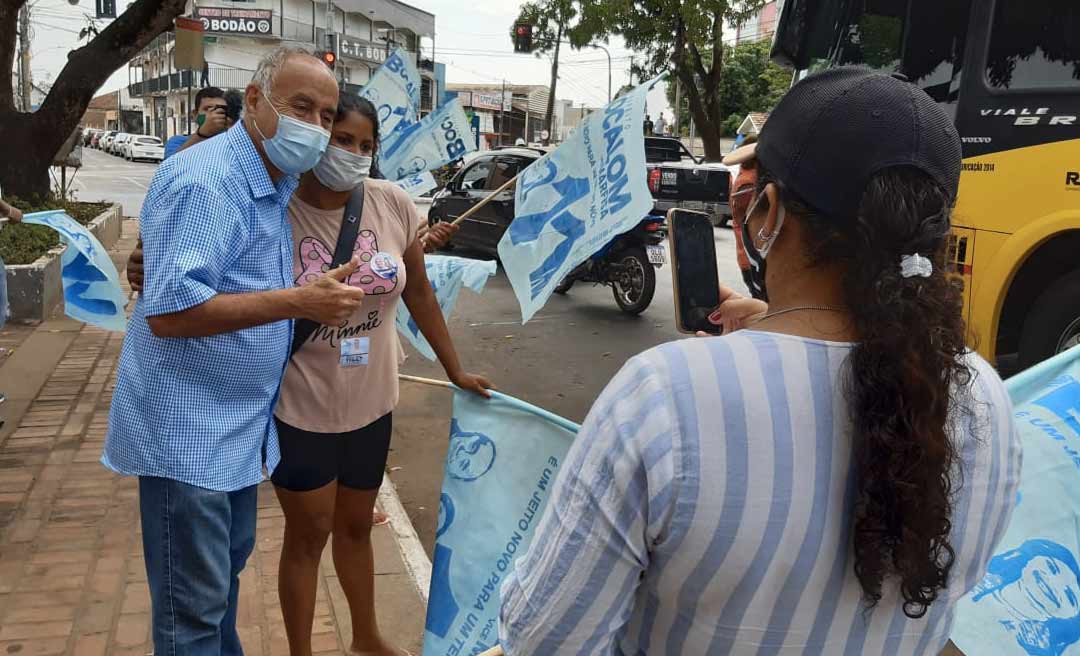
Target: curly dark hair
(906, 376)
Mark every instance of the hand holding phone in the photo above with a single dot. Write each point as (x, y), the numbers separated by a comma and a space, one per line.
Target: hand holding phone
(695, 279)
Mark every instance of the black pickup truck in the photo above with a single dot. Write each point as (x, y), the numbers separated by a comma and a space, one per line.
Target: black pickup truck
(678, 179)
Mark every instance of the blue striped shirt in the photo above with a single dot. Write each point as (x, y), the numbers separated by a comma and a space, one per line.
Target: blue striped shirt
(198, 410)
(705, 508)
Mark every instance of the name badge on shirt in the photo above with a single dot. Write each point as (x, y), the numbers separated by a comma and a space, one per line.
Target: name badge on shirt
(354, 351)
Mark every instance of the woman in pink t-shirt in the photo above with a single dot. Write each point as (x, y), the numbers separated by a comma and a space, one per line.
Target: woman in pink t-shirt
(340, 388)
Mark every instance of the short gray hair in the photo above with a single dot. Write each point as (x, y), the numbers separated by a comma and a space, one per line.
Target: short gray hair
(271, 65)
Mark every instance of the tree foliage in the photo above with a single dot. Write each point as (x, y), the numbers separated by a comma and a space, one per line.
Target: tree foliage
(681, 37)
(37, 136)
(751, 82)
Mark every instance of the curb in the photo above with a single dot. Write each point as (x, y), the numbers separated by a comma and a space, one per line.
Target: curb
(412, 551)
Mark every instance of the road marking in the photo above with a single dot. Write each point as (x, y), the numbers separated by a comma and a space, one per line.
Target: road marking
(135, 182)
(412, 551)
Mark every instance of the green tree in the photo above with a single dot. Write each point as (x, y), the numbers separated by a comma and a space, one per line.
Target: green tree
(751, 82)
(36, 137)
(681, 37)
(552, 24)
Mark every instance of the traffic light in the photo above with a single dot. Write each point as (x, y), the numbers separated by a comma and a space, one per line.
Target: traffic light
(328, 58)
(523, 33)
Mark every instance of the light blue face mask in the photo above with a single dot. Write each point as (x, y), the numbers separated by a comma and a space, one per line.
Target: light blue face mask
(297, 146)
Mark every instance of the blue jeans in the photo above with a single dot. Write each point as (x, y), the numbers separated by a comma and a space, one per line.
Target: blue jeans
(196, 542)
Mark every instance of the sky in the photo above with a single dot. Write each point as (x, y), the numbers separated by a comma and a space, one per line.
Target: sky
(475, 46)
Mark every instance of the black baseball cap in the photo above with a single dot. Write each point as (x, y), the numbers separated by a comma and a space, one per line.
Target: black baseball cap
(834, 130)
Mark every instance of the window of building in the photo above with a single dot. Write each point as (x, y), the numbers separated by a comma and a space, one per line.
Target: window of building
(1034, 45)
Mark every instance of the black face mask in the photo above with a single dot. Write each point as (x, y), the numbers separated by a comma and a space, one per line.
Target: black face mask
(757, 266)
(756, 257)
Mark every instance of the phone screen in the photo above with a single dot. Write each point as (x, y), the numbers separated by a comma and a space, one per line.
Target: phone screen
(695, 279)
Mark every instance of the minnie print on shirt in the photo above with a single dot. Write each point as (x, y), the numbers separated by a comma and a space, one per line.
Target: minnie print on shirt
(316, 258)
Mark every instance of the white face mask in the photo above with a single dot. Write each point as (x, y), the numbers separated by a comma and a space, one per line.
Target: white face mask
(340, 170)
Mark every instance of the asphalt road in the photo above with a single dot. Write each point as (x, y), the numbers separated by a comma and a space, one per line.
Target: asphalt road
(105, 177)
(560, 360)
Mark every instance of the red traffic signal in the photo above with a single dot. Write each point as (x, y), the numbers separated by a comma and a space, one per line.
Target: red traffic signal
(328, 58)
(523, 33)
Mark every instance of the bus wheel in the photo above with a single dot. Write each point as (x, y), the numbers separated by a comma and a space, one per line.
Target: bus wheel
(1053, 324)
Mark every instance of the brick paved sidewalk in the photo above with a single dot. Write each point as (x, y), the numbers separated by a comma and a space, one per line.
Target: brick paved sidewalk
(72, 577)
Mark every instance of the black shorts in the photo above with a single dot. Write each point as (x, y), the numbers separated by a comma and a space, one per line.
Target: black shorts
(355, 459)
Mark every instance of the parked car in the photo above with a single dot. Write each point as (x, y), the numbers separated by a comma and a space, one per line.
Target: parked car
(678, 179)
(481, 175)
(117, 145)
(626, 263)
(88, 136)
(107, 140)
(145, 147)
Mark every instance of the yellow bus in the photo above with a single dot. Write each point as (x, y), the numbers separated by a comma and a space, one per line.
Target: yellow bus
(1008, 71)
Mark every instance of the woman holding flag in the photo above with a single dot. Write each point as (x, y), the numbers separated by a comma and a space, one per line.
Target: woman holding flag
(340, 388)
(832, 479)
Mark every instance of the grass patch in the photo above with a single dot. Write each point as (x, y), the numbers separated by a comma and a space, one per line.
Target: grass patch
(23, 244)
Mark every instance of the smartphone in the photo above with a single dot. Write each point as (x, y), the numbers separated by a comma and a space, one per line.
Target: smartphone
(695, 278)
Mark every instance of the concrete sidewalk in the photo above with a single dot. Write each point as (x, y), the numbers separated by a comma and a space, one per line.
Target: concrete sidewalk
(72, 577)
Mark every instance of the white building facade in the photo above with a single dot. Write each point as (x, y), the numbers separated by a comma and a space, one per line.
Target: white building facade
(239, 33)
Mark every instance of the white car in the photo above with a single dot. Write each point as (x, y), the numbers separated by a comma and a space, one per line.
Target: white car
(116, 147)
(141, 146)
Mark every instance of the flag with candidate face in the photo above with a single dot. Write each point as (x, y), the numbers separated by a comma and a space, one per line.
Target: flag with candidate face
(573, 201)
(503, 458)
(1028, 600)
(92, 292)
(447, 276)
(441, 137)
(394, 89)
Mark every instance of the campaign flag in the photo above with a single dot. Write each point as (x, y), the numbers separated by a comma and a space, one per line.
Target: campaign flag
(503, 459)
(573, 201)
(447, 276)
(440, 138)
(1028, 601)
(394, 89)
(92, 291)
(418, 184)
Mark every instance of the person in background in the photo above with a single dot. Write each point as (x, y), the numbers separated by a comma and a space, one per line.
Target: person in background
(743, 182)
(334, 415)
(661, 125)
(832, 479)
(648, 126)
(217, 299)
(210, 116)
(234, 106)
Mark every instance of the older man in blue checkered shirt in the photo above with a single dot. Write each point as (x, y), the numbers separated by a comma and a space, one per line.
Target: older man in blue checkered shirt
(208, 342)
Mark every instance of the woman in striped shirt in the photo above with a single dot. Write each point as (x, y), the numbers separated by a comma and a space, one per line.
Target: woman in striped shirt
(829, 481)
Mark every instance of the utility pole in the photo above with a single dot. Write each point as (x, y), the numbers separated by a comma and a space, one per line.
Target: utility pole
(678, 108)
(502, 113)
(25, 78)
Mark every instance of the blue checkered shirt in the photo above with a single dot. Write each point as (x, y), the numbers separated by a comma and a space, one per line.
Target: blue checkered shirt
(199, 410)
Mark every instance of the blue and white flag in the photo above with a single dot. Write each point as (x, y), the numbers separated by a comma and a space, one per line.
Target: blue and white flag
(394, 89)
(1028, 601)
(573, 201)
(92, 291)
(503, 458)
(440, 138)
(419, 184)
(447, 276)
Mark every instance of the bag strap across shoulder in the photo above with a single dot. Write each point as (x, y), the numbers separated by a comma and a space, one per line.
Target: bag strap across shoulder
(346, 243)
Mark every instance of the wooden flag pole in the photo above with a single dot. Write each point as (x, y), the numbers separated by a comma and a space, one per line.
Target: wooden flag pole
(509, 183)
(494, 651)
(426, 381)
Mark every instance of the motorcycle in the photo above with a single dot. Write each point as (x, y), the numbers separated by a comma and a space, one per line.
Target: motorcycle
(627, 264)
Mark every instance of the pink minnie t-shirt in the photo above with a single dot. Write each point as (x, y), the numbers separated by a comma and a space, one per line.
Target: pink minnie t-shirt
(345, 377)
